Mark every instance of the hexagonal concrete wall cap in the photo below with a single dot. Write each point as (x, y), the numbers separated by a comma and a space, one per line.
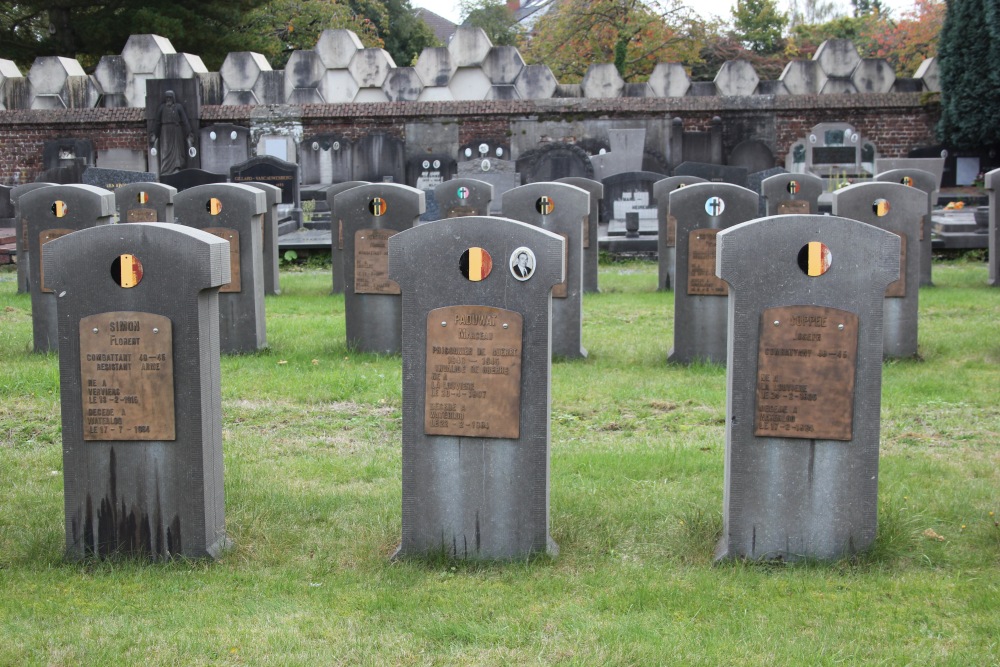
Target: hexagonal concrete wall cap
(370, 67)
(303, 70)
(928, 73)
(48, 74)
(837, 57)
(669, 80)
(536, 82)
(469, 83)
(736, 77)
(403, 85)
(337, 47)
(435, 66)
(184, 65)
(436, 94)
(8, 70)
(803, 77)
(602, 81)
(469, 46)
(111, 74)
(143, 53)
(338, 86)
(240, 69)
(503, 64)
(874, 75)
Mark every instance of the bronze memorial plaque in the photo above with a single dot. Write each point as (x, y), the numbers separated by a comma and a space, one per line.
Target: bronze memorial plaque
(141, 215)
(127, 376)
(460, 212)
(792, 206)
(43, 238)
(233, 236)
(897, 289)
(671, 231)
(702, 280)
(805, 373)
(371, 262)
(586, 231)
(473, 385)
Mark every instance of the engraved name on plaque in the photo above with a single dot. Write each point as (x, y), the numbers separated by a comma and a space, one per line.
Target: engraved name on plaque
(141, 215)
(805, 373)
(702, 280)
(371, 262)
(233, 236)
(473, 383)
(127, 376)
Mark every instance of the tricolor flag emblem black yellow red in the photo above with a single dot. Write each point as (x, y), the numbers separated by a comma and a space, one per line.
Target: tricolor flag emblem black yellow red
(819, 258)
(143, 197)
(793, 187)
(881, 207)
(476, 264)
(129, 270)
(214, 206)
(544, 205)
(59, 209)
(377, 206)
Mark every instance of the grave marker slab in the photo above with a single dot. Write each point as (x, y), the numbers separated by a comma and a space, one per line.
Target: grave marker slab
(499, 173)
(927, 182)
(700, 298)
(477, 380)
(898, 209)
(630, 192)
(561, 209)
(21, 244)
(992, 185)
(590, 231)
(273, 171)
(140, 393)
(755, 182)
(666, 226)
(145, 202)
(716, 173)
(372, 214)
(803, 385)
(235, 213)
(112, 179)
(337, 232)
(222, 146)
(49, 213)
(462, 197)
(272, 278)
(791, 194)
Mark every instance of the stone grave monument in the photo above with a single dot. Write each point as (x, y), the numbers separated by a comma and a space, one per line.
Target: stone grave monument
(461, 197)
(700, 297)
(337, 232)
(47, 214)
(630, 192)
(145, 202)
(495, 170)
(787, 194)
(140, 392)
(112, 179)
(233, 212)
(372, 214)
(666, 226)
(273, 171)
(222, 146)
(590, 230)
(272, 278)
(803, 387)
(627, 147)
(21, 244)
(476, 387)
(993, 259)
(898, 209)
(561, 209)
(929, 183)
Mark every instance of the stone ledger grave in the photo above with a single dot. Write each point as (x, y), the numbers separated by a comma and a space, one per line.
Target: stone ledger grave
(803, 385)
(898, 209)
(791, 194)
(461, 197)
(476, 386)
(666, 226)
(928, 183)
(145, 202)
(700, 297)
(233, 212)
(337, 232)
(561, 209)
(590, 230)
(49, 213)
(373, 214)
(21, 244)
(140, 391)
(272, 279)
(992, 186)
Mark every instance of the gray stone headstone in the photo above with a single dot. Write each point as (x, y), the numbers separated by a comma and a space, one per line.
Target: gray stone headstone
(6, 206)
(326, 158)
(145, 202)
(461, 197)
(476, 455)
(808, 486)
(380, 157)
(590, 248)
(499, 173)
(630, 192)
(191, 178)
(21, 244)
(992, 186)
(371, 215)
(337, 232)
(666, 226)
(564, 210)
(713, 172)
(755, 182)
(426, 172)
(898, 209)
(140, 393)
(700, 298)
(626, 152)
(553, 160)
(929, 183)
(49, 213)
(273, 171)
(272, 278)
(233, 212)
(791, 194)
(112, 179)
(224, 145)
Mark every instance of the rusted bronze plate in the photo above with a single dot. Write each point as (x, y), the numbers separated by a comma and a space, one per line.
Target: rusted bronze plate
(897, 289)
(792, 206)
(671, 231)
(127, 376)
(460, 212)
(233, 236)
(702, 280)
(43, 238)
(473, 385)
(141, 215)
(805, 373)
(561, 290)
(340, 235)
(371, 262)
(586, 232)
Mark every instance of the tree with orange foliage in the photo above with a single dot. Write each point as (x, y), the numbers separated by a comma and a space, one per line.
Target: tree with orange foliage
(907, 42)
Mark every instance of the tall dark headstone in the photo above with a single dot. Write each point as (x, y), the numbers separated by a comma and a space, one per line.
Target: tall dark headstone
(337, 232)
(993, 259)
(590, 230)
(477, 379)
(666, 229)
(49, 213)
(140, 392)
(791, 194)
(803, 385)
(21, 244)
(273, 171)
(927, 182)
(145, 202)
(461, 197)
(630, 192)
(272, 278)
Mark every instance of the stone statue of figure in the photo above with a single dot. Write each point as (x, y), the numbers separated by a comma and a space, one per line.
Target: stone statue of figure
(171, 134)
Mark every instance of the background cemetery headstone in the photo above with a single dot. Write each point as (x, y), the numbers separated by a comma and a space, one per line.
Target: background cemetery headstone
(993, 257)
(666, 226)
(21, 245)
(700, 297)
(630, 192)
(477, 377)
(462, 197)
(49, 213)
(191, 178)
(898, 209)
(273, 171)
(427, 172)
(564, 210)
(803, 385)
(591, 253)
(755, 182)
(233, 212)
(112, 179)
(716, 173)
(627, 146)
(145, 202)
(140, 393)
(222, 146)
(372, 214)
(327, 158)
(929, 183)
(337, 232)
(790, 194)
(498, 171)
(272, 279)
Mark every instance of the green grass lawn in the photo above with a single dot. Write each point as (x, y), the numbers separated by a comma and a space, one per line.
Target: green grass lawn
(312, 439)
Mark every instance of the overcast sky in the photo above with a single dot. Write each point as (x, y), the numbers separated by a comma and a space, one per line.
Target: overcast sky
(707, 8)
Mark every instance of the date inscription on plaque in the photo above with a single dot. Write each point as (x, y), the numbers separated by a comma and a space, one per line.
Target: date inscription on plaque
(371, 262)
(897, 288)
(235, 283)
(140, 215)
(43, 238)
(805, 373)
(702, 280)
(473, 384)
(127, 376)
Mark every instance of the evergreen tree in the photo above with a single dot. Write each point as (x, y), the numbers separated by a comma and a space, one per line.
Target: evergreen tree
(758, 24)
